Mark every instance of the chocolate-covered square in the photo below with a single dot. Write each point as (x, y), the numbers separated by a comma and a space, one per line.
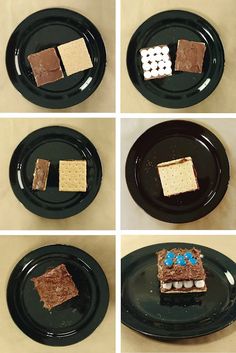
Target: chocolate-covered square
(190, 56)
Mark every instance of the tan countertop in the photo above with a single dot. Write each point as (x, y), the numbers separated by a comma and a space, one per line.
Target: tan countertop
(12, 339)
(221, 14)
(100, 214)
(221, 341)
(15, 11)
(222, 217)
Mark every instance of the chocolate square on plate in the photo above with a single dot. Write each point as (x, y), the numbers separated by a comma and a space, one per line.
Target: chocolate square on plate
(190, 56)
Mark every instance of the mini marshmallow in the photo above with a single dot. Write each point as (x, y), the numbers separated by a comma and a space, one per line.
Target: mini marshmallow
(178, 284)
(144, 52)
(154, 73)
(145, 59)
(147, 67)
(165, 50)
(150, 51)
(152, 58)
(154, 65)
(188, 284)
(167, 286)
(168, 71)
(165, 57)
(161, 72)
(168, 63)
(147, 74)
(158, 57)
(200, 283)
(161, 64)
(157, 50)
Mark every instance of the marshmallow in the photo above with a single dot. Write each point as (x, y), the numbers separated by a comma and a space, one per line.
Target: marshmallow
(168, 71)
(154, 73)
(161, 72)
(165, 57)
(165, 50)
(200, 283)
(145, 59)
(178, 284)
(188, 284)
(144, 52)
(147, 74)
(168, 63)
(146, 67)
(167, 285)
(158, 57)
(154, 65)
(157, 50)
(150, 51)
(161, 64)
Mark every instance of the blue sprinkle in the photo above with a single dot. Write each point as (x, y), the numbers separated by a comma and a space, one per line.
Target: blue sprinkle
(168, 262)
(179, 257)
(188, 255)
(193, 261)
(181, 262)
(170, 255)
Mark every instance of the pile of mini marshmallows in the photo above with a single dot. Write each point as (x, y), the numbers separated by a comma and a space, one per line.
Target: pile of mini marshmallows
(156, 62)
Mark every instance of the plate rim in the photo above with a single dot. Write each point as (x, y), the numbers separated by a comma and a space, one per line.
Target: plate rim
(102, 283)
(163, 216)
(39, 211)
(126, 261)
(34, 98)
(162, 102)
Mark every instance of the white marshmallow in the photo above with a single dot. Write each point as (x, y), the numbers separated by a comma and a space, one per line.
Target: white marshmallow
(157, 50)
(168, 63)
(165, 58)
(161, 72)
(188, 284)
(165, 50)
(178, 284)
(146, 67)
(200, 283)
(144, 52)
(147, 74)
(150, 51)
(154, 73)
(167, 285)
(145, 59)
(158, 57)
(154, 65)
(161, 64)
(168, 71)
(152, 58)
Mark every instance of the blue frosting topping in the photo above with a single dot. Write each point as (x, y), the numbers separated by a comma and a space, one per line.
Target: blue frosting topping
(188, 255)
(170, 254)
(193, 261)
(181, 260)
(168, 262)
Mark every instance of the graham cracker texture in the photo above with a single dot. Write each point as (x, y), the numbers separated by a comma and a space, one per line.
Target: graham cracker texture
(73, 176)
(75, 56)
(177, 176)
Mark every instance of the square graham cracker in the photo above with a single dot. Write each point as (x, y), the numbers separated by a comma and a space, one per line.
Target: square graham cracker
(55, 287)
(178, 176)
(75, 56)
(73, 176)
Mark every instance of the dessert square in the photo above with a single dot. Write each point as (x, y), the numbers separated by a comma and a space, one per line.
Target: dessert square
(178, 176)
(75, 56)
(45, 66)
(181, 271)
(156, 62)
(190, 56)
(55, 287)
(40, 176)
(73, 176)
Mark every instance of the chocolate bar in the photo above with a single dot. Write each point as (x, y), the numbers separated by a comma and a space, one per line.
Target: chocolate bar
(190, 56)
(55, 287)
(181, 271)
(156, 62)
(40, 174)
(45, 66)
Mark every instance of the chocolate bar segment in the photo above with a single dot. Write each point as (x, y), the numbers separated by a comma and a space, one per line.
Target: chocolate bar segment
(156, 62)
(181, 271)
(45, 66)
(190, 56)
(40, 174)
(55, 287)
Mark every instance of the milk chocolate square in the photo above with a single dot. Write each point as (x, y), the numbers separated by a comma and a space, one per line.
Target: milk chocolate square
(55, 287)
(46, 66)
(40, 175)
(190, 56)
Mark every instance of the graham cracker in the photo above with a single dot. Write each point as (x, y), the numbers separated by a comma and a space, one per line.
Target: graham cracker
(73, 176)
(178, 176)
(75, 56)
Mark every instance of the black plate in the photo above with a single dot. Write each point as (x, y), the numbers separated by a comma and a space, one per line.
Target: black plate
(182, 89)
(54, 143)
(71, 321)
(50, 28)
(172, 316)
(171, 140)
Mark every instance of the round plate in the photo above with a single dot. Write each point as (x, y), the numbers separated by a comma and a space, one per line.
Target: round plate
(173, 316)
(168, 141)
(183, 89)
(71, 321)
(54, 143)
(50, 28)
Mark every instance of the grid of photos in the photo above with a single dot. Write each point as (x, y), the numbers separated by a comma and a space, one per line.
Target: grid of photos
(117, 182)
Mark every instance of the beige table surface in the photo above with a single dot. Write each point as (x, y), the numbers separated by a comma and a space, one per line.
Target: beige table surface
(222, 217)
(101, 13)
(102, 248)
(100, 214)
(221, 14)
(223, 341)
